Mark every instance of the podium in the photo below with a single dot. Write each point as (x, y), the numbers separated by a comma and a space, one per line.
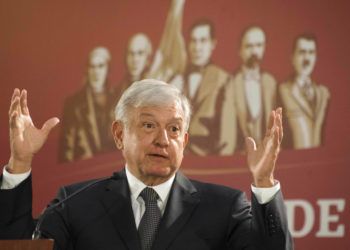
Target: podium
(26, 244)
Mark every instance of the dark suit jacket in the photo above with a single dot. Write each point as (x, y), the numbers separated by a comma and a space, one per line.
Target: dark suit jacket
(86, 125)
(197, 216)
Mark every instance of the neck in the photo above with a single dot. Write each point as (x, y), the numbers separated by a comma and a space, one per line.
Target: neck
(149, 180)
(97, 88)
(302, 79)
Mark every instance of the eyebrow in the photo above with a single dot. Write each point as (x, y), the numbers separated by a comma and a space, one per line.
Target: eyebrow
(148, 115)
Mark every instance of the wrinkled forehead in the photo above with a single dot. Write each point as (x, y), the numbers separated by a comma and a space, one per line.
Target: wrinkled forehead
(170, 112)
(306, 44)
(253, 36)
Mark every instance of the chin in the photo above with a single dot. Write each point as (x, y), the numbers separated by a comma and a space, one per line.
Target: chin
(159, 171)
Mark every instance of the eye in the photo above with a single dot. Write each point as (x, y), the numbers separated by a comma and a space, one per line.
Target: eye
(148, 126)
(174, 130)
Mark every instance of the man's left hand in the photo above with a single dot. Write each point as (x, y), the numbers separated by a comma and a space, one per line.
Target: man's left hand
(262, 159)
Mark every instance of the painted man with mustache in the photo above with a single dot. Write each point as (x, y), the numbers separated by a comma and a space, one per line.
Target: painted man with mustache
(252, 92)
(305, 102)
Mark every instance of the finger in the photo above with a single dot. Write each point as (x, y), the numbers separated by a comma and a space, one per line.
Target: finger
(15, 93)
(250, 145)
(49, 124)
(270, 123)
(13, 119)
(279, 111)
(276, 141)
(24, 107)
(14, 105)
(280, 127)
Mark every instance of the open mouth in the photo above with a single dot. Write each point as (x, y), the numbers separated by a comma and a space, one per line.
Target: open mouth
(158, 155)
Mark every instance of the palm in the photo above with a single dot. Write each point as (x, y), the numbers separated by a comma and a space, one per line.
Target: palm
(25, 138)
(262, 159)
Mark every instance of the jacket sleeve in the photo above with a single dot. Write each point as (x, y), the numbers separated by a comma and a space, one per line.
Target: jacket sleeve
(259, 226)
(16, 221)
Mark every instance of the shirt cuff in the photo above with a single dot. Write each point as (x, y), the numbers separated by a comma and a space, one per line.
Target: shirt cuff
(265, 195)
(10, 181)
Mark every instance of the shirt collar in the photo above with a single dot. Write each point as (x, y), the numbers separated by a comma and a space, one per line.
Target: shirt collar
(303, 81)
(136, 186)
(251, 74)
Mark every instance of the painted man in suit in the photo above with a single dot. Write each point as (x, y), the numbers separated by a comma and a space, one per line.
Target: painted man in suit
(203, 83)
(137, 59)
(304, 100)
(253, 90)
(152, 120)
(87, 114)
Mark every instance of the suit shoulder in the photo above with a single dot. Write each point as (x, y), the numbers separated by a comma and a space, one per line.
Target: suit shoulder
(268, 78)
(323, 89)
(285, 85)
(219, 72)
(215, 190)
(268, 75)
(76, 187)
(237, 75)
(75, 98)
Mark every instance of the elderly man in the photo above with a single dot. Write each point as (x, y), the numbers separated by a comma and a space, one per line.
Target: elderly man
(149, 204)
(87, 114)
(253, 91)
(304, 100)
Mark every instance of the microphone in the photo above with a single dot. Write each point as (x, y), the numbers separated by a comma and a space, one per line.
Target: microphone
(37, 234)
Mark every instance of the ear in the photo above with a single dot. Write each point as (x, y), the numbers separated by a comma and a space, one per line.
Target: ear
(186, 138)
(118, 132)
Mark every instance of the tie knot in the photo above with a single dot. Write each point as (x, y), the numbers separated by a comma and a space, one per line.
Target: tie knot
(149, 195)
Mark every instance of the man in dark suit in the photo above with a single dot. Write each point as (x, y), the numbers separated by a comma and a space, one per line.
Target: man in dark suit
(149, 204)
(88, 113)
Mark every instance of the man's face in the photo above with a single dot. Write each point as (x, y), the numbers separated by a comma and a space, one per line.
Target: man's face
(304, 57)
(201, 45)
(137, 57)
(153, 142)
(252, 48)
(97, 72)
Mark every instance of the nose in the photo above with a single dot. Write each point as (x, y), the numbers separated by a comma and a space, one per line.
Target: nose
(162, 139)
(198, 47)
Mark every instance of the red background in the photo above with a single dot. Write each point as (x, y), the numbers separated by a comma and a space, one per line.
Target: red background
(44, 47)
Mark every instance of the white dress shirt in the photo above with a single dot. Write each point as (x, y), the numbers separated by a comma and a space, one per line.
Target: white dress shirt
(138, 205)
(252, 87)
(263, 195)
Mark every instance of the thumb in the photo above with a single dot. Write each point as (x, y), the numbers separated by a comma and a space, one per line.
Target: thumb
(49, 124)
(250, 145)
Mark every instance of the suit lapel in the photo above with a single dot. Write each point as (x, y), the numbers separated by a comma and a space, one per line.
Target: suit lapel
(116, 201)
(241, 102)
(91, 116)
(182, 201)
(301, 101)
(319, 101)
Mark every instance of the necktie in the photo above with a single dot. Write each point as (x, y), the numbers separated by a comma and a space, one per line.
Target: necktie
(150, 220)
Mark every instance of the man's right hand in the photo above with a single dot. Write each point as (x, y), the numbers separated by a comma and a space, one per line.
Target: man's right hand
(25, 138)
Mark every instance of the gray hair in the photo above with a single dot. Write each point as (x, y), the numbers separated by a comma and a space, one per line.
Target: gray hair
(150, 92)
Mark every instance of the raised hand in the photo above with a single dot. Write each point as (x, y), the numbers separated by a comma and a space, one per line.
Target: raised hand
(262, 159)
(25, 138)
